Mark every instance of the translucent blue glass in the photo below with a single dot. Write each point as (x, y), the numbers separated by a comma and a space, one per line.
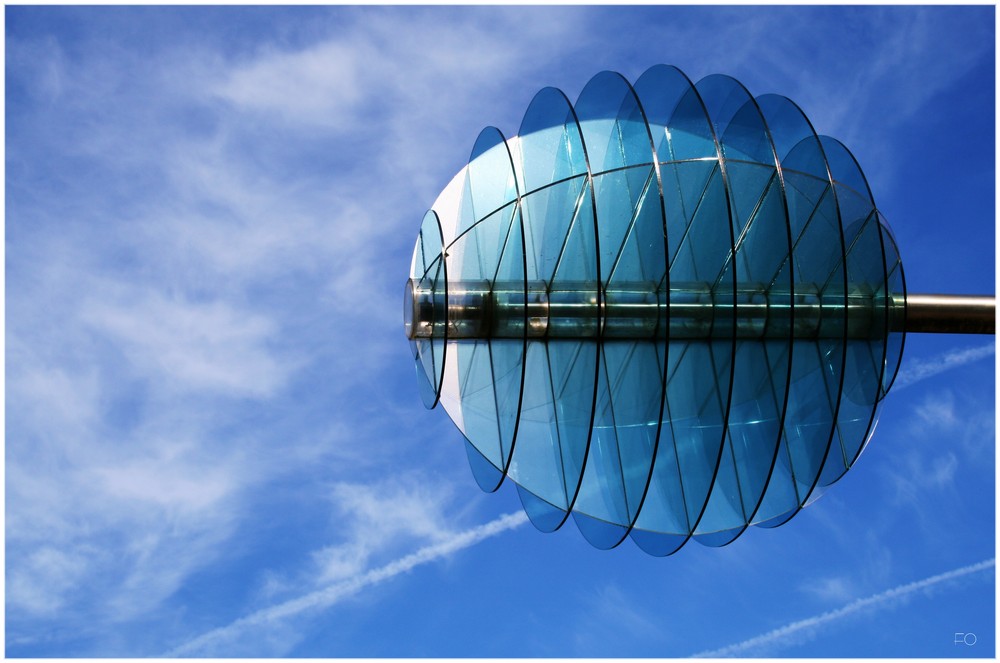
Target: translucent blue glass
(479, 416)
(614, 128)
(630, 388)
(507, 354)
(557, 414)
(676, 115)
(895, 285)
(815, 368)
(666, 309)
(489, 370)
(699, 373)
(490, 175)
(487, 475)
(698, 379)
(663, 523)
(865, 269)
(537, 464)
(550, 142)
(762, 256)
(428, 269)
(601, 511)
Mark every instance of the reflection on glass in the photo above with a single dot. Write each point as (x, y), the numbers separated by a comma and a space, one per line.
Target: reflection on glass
(665, 309)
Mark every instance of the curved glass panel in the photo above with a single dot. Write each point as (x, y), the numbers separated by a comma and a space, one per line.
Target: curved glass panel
(556, 200)
(487, 475)
(630, 212)
(699, 372)
(489, 186)
(620, 154)
(601, 509)
(562, 247)
(572, 367)
(663, 509)
(725, 100)
(895, 294)
(470, 393)
(614, 129)
(491, 173)
(635, 397)
(507, 355)
(816, 366)
(693, 196)
(865, 274)
(550, 143)
(480, 404)
(865, 358)
(428, 269)
(656, 543)
(761, 246)
(787, 123)
(763, 367)
(676, 115)
(537, 463)
(470, 400)
(698, 375)
(599, 533)
(544, 516)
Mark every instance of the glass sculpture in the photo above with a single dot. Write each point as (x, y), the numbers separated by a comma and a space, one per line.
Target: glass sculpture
(669, 309)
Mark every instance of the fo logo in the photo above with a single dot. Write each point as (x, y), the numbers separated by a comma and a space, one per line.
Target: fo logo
(968, 639)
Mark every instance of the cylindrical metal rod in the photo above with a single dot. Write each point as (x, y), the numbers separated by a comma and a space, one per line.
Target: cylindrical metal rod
(479, 309)
(951, 314)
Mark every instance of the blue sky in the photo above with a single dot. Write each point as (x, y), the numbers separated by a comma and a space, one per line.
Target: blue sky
(215, 444)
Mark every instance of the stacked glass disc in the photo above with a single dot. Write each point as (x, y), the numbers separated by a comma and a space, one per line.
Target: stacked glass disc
(669, 309)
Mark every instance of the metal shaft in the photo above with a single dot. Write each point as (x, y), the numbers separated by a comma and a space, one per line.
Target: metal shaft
(475, 309)
(951, 314)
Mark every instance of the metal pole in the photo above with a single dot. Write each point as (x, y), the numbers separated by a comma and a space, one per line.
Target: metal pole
(951, 314)
(479, 309)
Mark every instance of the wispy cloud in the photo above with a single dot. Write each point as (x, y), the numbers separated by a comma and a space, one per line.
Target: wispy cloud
(202, 346)
(773, 640)
(206, 248)
(606, 613)
(207, 232)
(829, 588)
(914, 371)
(219, 641)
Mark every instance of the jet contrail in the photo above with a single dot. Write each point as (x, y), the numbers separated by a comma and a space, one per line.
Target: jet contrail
(328, 596)
(915, 371)
(776, 636)
(323, 598)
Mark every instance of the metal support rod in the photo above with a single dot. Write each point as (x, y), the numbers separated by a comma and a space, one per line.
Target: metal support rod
(951, 314)
(479, 309)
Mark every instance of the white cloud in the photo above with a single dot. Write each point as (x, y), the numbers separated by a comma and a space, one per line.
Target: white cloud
(936, 410)
(206, 251)
(39, 584)
(320, 85)
(607, 613)
(380, 516)
(805, 629)
(203, 304)
(830, 588)
(201, 346)
(165, 483)
(227, 640)
(916, 370)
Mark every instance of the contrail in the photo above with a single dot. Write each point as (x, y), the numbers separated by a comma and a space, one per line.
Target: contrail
(915, 371)
(323, 598)
(777, 635)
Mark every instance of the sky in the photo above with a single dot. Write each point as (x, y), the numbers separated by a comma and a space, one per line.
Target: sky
(215, 444)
